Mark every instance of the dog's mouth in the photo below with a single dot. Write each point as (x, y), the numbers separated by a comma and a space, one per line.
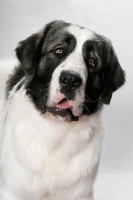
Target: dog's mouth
(63, 108)
(64, 104)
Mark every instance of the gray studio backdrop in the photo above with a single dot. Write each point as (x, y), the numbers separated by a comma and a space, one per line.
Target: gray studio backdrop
(114, 19)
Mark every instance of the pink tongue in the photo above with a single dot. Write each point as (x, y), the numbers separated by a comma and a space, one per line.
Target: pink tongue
(64, 105)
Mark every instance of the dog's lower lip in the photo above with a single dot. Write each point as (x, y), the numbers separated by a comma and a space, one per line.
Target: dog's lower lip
(57, 111)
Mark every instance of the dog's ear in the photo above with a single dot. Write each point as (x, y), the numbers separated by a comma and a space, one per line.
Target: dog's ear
(114, 74)
(29, 52)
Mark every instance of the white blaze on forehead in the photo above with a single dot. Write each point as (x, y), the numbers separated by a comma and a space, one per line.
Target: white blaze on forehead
(81, 35)
(74, 62)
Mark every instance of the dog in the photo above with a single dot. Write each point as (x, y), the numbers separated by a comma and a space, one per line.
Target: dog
(51, 102)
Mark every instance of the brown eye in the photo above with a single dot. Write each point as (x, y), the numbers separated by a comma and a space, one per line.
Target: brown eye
(59, 51)
(92, 62)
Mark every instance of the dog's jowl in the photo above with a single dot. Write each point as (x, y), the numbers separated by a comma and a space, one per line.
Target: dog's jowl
(51, 101)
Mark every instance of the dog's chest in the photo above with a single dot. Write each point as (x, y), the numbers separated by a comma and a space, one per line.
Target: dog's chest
(58, 154)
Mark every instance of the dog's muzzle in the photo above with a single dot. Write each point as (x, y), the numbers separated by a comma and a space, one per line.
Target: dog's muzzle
(69, 83)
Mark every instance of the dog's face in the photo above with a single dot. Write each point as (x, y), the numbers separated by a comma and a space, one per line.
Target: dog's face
(69, 70)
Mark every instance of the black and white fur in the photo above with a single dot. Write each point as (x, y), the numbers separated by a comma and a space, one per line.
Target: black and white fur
(52, 130)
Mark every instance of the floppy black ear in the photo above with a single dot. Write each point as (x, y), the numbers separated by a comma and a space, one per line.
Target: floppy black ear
(29, 52)
(114, 76)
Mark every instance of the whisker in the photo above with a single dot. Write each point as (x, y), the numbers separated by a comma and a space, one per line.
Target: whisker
(87, 109)
(86, 101)
(43, 99)
(44, 87)
(89, 100)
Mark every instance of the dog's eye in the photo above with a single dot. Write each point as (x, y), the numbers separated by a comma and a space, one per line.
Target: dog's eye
(59, 51)
(92, 62)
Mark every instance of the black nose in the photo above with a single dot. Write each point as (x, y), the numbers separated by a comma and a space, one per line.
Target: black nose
(70, 80)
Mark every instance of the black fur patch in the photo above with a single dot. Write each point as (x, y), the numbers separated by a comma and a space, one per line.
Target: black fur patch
(102, 81)
(14, 78)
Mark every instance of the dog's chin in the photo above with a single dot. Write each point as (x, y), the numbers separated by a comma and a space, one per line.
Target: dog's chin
(67, 114)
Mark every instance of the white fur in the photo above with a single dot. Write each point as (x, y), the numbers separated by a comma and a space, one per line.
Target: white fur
(6, 67)
(44, 157)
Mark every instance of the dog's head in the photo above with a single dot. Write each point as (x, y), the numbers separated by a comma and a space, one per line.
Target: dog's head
(69, 69)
